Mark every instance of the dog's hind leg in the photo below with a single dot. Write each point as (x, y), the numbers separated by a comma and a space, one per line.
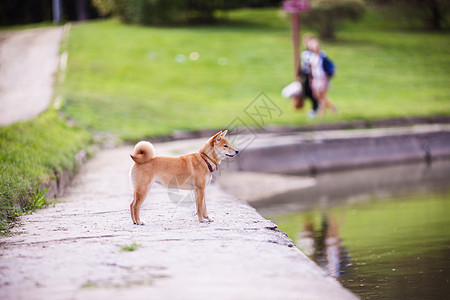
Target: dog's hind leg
(131, 208)
(139, 196)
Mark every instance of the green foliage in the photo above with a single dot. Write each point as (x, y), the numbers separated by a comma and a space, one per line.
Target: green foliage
(89, 285)
(326, 16)
(153, 11)
(31, 153)
(131, 247)
(434, 14)
(162, 11)
(106, 7)
(38, 201)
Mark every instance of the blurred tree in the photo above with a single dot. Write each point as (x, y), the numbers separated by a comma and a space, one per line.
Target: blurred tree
(107, 7)
(433, 13)
(82, 9)
(326, 15)
(202, 11)
(162, 11)
(261, 3)
(152, 11)
(14, 12)
(174, 11)
(24, 11)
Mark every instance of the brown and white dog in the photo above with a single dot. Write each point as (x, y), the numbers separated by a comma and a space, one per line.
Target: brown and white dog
(189, 172)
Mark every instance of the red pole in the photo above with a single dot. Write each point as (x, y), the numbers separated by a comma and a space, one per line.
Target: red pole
(294, 7)
(295, 23)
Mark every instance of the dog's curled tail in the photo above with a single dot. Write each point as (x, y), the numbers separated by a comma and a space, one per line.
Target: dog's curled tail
(143, 152)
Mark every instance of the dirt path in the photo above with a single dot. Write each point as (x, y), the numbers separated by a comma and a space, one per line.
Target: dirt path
(28, 62)
(72, 250)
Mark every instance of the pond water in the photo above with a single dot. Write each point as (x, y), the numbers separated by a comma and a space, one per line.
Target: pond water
(384, 233)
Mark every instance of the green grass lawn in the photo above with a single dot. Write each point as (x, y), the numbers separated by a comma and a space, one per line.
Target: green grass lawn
(125, 79)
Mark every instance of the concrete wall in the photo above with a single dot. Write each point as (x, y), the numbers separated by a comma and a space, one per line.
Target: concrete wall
(312, 155)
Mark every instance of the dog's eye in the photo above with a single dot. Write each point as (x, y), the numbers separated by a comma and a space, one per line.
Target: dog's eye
(226, 146)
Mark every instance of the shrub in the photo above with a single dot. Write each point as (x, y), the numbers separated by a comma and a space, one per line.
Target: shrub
(163, 11)
(432, 13)
(106, 7)
(142, 11)
(326, 15)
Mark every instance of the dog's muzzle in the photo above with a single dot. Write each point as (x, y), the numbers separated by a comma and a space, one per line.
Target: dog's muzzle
(233, 155)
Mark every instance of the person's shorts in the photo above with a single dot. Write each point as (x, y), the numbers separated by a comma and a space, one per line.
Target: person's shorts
(319, 85)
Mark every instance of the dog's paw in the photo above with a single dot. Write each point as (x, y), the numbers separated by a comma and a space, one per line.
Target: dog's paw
(205, 220)
(139, 223)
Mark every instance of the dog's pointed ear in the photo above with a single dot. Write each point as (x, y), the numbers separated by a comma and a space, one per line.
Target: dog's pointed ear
(217, 137)
(224, 133)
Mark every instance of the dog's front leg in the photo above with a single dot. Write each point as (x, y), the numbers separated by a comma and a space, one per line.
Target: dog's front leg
(204, 212)
(201, 206)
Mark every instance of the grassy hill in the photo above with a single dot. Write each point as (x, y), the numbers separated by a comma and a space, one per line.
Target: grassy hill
(140, 81)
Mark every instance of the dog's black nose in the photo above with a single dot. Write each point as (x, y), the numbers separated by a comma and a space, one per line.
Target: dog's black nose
(236, 151)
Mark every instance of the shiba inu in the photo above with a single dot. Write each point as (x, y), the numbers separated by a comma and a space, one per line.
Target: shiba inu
(190, 172)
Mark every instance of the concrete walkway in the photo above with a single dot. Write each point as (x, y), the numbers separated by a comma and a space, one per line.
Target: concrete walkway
(28, 61)
(72, 249)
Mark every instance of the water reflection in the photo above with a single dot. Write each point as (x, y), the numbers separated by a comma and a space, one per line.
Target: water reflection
(323, 244)
(384, 233)
(356, 186)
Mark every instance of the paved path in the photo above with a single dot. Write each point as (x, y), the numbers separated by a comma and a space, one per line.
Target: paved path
(28, 62)
(72, 250)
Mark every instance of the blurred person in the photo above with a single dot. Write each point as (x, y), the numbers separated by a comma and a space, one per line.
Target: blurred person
(319, 80)
(304, 75)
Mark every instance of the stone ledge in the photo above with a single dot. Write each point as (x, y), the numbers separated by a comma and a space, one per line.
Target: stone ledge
(309, 153)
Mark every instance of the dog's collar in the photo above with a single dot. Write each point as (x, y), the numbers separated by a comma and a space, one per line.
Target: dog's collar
(207, 162)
